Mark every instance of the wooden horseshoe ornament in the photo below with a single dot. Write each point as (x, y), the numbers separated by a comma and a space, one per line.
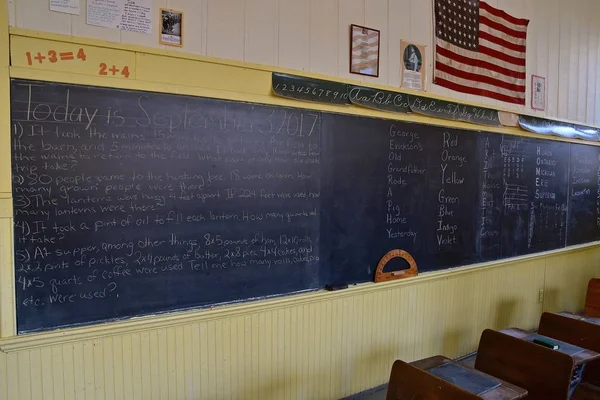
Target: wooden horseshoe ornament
(381, 276)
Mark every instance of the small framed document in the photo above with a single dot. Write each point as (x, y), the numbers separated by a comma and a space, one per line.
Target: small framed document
(364, 50)
(171, 29)
(538, 92)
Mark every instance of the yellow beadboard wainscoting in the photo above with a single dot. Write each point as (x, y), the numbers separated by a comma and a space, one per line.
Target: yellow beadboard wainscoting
(318, 345)
(315, 346)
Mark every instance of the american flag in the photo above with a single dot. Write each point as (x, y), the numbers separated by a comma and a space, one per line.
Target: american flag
(480, 50)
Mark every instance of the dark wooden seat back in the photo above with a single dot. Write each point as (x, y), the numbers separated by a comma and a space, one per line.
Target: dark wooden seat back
(570, 330)
(408, 383)
(577, 332)
(544, 373)
(592, 299)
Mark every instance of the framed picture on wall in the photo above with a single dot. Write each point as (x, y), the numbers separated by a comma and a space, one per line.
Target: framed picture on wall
(414, 65)
(538, 92)
(171, 29)
(364, 50)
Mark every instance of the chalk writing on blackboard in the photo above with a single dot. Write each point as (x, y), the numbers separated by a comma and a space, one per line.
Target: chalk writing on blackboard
(157, 202)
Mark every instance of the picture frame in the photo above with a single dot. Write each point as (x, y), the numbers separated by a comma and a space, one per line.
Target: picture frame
(413, 71)
(538, 93)
(171, 27)
(365, 46)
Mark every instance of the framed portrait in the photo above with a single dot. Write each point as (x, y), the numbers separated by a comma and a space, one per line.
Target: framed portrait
(364, 50)
(171, 29)
(413, 65)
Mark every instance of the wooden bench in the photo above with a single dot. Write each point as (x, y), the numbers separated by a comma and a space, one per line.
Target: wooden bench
(408, 382)
(546, 374)
(578, 332)
(592, 299)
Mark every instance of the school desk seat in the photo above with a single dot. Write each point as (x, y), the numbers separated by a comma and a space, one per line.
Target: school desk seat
(408, 382)
(544, 373)
(578, 332)
(592, 299)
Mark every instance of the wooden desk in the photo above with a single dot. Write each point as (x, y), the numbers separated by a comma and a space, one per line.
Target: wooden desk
(504, 391)
(580, 355)
(409, 383)
(580, 317)
(578, 330)
(546, 374)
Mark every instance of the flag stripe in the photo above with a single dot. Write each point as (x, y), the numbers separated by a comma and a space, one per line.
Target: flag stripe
(478, 92)
(473, 58)
(502, 21)
(502, 14)
(502, 35)
(502, 56)
(473, 76)
(502, 28)
(476, 69)
(494, 46)
(480, 85)
(501, 42)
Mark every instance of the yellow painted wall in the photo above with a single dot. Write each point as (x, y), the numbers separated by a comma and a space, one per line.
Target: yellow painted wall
(313, 346)
(318, 346)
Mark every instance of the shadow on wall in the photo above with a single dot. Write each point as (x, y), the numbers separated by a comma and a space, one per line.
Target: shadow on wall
(312, 382)
(552, 300)
(455, 342)
(506, 316)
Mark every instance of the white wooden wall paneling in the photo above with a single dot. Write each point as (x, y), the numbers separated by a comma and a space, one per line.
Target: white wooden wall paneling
(313, 35)
(261, 38)
(573, 62)
(323, 36)
(592, 61)
(225, 29)
(542, 56)
(399, 25)
(194, 25)
(552, 14)
(294, 37)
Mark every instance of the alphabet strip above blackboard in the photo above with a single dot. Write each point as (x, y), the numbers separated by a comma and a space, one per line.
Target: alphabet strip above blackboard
(377, 99)
(454, 111)
(331, 92)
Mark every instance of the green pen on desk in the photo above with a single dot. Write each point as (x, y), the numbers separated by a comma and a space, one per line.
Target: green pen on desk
(546, 343)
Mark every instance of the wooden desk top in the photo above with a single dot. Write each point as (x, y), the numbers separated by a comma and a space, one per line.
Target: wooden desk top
(578, 354)
(505, 391)
(591, 320)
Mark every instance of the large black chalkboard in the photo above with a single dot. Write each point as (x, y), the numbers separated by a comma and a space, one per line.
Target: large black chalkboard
(584, 193)
(128, 203)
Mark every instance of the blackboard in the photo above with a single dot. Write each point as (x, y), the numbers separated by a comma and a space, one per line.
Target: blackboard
(128, 203)
(584, 193)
